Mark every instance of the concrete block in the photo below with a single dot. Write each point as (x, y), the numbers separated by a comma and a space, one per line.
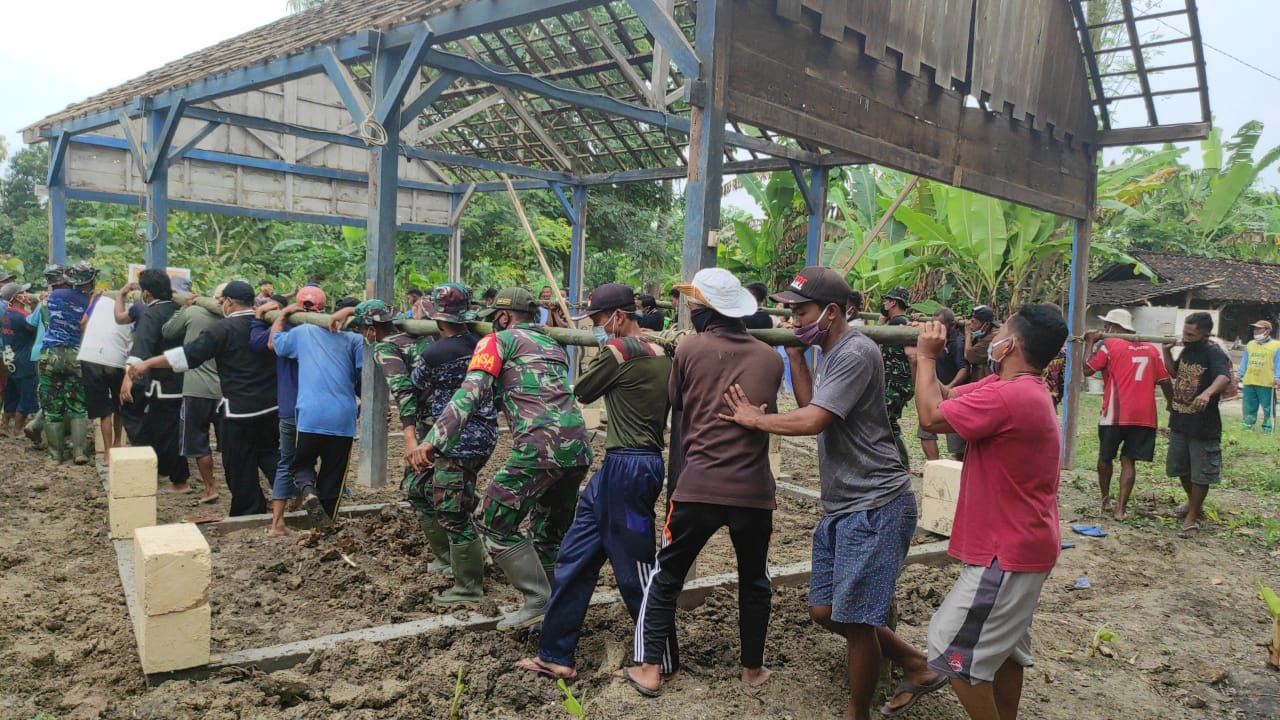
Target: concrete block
(937, 516)
(98, 444)
(133, 473)
(171, 568)
(942, 479)
(124, 515)
(173, 641)
(775, 464)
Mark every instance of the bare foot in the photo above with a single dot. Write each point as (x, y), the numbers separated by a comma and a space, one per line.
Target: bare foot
(1108, 505)
(282, 531)
(550, 669)
(755, 677)
(1120, 516)
(210, 497)
(179, 489)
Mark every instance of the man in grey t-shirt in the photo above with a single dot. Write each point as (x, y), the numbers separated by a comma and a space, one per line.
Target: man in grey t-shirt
(868, 509)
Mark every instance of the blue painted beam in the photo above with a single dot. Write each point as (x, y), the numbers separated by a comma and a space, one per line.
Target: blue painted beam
(578, 242)
(57, 221)
(157, 195)
(57, 155)
(802, 184)
(180, 152)
(706, 143)
(158, 147)
(237, 211)
(132, 143)
(452, 24)
(410, 113)
(624, 177)
(568, 206)
(817, 189)
(482, 164)
(409, 69)
(668, 34)
(352, 96)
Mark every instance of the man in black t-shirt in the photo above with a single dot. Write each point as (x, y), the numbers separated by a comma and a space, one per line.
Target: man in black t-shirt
(650, 317)
(1200, 374)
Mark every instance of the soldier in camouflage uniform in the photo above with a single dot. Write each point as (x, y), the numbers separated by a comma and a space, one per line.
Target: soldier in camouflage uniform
(395, 352)
(528, 375)
(439, 373)
(899, 385)
(61, 388)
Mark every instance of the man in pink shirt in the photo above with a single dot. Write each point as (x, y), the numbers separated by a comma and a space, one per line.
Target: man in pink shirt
(1006, 524)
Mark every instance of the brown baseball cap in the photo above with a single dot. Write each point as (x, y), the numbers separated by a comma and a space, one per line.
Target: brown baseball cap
(610, 296)
(1264, 324)
(815, 284)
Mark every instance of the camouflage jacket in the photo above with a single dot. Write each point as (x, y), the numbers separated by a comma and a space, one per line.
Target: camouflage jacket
(439, 373)
(527, 374)
(899, 384)
(396, 355)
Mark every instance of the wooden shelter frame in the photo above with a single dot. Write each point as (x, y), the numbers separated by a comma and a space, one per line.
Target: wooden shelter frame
(569, 94)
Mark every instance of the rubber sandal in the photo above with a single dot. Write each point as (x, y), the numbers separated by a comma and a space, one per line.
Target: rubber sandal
(916, 691)
(211, 499)
(1089, 531)
(647, 692)
(534, 666)
(1189, 532)
(1179, 512)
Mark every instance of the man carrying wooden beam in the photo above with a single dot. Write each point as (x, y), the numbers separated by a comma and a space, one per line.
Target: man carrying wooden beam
(868, 509)
(527, 374)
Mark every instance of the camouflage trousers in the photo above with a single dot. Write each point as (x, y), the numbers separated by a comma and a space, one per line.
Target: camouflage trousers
(547, 496)
(61, 390)
(448, 493)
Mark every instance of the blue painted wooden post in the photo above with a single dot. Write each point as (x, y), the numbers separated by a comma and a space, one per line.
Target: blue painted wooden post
(1076, 301)
(157, 249)
(818, 182)
(455, 240)
(380, 250)
(57, 218)
(706, 140)
(578, 244)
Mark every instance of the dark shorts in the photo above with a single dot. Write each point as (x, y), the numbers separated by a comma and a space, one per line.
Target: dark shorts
(198, 414)
(101, 389)
(1200, 460)
(21, 395)
(1139, 442)
(856, 560)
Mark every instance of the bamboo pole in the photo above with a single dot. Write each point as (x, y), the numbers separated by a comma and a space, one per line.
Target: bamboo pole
(537, 249)
(884, 220)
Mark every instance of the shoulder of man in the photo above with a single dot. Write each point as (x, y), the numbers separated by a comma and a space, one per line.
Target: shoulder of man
(630, 348)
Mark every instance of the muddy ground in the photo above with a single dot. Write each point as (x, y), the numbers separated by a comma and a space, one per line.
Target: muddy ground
(1185, 613)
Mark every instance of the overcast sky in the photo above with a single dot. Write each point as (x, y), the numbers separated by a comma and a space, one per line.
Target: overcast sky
(54, 56)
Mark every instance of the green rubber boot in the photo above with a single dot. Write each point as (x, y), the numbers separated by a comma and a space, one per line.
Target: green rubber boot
(438, 539)
(34, 430)
(467, 560)
(55, 433)
(80, 452)
(525, 572)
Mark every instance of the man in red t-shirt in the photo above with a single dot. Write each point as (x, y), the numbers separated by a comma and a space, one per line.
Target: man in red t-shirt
(1130, 370)
(1006, 523)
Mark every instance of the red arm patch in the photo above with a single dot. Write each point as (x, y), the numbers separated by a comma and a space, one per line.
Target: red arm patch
(487, 358)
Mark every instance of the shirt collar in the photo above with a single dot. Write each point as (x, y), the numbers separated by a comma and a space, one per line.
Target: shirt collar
(241, 313)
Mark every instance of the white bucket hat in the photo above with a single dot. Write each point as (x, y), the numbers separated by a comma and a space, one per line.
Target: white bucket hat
(719, 290)
(1118, 316)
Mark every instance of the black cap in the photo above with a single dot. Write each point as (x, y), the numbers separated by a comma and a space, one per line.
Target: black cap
(815, 284)
(610, 296)
(982, 313)
(240, 291)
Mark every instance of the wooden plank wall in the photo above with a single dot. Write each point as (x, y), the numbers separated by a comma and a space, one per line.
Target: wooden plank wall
(1026, 58)
(784, 77)
(111, 170)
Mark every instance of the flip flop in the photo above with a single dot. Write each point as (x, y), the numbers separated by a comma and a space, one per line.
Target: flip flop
(168, 490)
(1089, 530)
(534, 666)
(635, 685)
(916, 691)
(211, 499)
(1188, 532)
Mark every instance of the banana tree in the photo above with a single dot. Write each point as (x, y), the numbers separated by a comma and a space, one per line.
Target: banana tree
(771, 250)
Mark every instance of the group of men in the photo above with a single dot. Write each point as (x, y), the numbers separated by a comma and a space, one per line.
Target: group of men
(1192, 384)
(283, 399)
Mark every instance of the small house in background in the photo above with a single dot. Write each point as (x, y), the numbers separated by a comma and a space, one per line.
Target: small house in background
(1235, 292)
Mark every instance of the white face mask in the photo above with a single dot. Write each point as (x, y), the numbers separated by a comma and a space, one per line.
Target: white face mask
(1262, 338)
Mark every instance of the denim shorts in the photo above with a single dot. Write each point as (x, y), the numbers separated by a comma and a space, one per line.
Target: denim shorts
(857, 557)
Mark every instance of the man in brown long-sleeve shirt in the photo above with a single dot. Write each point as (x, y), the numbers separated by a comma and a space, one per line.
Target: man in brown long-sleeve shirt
(725, 478)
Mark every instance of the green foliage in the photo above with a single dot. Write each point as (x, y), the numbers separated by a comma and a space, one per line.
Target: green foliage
(570, 703)
(458, 689)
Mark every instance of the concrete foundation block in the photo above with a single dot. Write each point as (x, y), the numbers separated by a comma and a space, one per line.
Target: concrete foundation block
(592, 417)
(937, 516)
(98, 444)
(133, 473)
(942, 480)
(124, 515)
(171, 568)
(173, 641)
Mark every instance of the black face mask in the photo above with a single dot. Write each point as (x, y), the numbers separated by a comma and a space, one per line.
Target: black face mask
(701, 318)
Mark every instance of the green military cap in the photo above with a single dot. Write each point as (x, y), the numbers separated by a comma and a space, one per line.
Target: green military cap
(513, 298)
